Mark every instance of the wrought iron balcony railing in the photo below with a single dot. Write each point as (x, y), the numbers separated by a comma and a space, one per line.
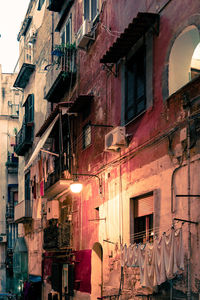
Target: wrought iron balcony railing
(24, 139)
(57, 236)
(61, 73)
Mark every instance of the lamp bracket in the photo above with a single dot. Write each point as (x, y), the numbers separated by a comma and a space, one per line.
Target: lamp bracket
(91, 175)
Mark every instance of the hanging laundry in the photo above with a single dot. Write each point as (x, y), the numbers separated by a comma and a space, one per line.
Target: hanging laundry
(42, 188)
(40, 165)
(45, 168)
(157, 261)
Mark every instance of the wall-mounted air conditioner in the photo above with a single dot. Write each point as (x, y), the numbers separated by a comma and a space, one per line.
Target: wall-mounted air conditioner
(3, 238)
(84, 34)
(115, 139)
(52, 209)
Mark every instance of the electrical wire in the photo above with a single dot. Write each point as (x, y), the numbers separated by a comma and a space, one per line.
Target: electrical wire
(144, 234)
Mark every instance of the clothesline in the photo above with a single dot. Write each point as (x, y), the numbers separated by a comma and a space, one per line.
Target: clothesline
(157, 261)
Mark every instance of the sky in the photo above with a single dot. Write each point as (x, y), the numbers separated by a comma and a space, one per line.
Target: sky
(12, 13)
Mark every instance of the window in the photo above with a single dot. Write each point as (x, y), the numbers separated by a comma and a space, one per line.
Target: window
(66, 33)
(90, 9)
(29, 109)
(3, 92)
(184, 59)
(29, 117)
(135, 99)
(87, 136)
(141, 217)
(137, 79)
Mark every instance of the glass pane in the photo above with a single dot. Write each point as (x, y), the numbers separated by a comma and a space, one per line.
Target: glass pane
(141, 106)
(86, 9)
(68, 35)
(93, 9)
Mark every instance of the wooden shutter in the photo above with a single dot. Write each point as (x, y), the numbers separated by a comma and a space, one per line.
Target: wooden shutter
(143, 206)
(31, 108)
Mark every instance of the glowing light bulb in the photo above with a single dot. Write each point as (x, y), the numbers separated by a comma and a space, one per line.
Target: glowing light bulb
(76, 187)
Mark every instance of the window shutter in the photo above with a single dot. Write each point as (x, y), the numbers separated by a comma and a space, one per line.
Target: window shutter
(143, 206)
(68, 34)
(31, 108)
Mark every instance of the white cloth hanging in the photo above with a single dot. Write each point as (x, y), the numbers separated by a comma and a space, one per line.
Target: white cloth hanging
(157, 261)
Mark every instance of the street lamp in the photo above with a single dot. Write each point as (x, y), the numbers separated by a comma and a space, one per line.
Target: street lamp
(76, 186)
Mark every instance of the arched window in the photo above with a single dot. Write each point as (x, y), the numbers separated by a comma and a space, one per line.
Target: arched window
(184, 59)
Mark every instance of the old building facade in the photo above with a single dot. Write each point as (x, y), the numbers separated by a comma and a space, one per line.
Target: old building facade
(10, 106)
(111, 101)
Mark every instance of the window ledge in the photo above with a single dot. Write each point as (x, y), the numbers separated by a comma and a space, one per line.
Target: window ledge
(135, 118)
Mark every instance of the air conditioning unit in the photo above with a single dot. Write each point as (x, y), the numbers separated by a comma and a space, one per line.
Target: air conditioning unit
(84, 35)
(115, 139)
(52, 209)
(3, 238)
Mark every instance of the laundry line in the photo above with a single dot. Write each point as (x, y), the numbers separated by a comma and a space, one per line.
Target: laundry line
(158, 261)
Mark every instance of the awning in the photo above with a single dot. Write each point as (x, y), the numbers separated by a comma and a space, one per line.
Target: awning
(136, 29)
(54, 113)
(41, 142)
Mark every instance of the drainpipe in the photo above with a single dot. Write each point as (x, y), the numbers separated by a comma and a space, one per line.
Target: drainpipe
(120, 205)
(52, 36)
(60, 143)
(189, 208)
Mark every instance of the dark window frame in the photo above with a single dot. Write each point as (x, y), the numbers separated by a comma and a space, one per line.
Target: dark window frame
(135, 104)
(29, 109)
(142, 218)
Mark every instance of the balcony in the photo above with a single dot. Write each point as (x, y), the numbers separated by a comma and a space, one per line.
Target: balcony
(12, 163)
(65, 235)
(24, 139)
(61, 75)
(23, 211)
(26, 66)
(50, 239)
(24, 75)
(56, 182)
(57, 237)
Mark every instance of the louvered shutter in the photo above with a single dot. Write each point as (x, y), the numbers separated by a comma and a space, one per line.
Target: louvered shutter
(143, 206)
